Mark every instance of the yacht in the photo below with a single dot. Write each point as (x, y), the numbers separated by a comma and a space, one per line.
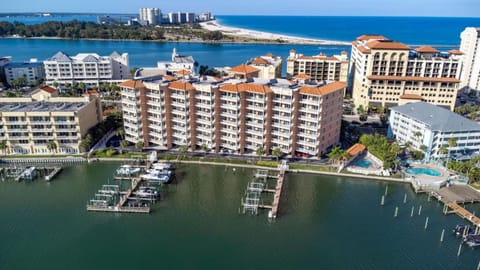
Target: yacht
(163, 166)
(472, 240)
(127, 170)
(147, 192)
(157, 176)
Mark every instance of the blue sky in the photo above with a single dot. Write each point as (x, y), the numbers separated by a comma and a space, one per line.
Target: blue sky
(447, 8)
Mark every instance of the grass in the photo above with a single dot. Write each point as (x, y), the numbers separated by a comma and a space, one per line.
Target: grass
(42, 156)
(311, 167)
(475, 185)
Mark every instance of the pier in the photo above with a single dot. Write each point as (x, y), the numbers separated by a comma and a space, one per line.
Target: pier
(30, 173)
(253, 198)
(453, 196)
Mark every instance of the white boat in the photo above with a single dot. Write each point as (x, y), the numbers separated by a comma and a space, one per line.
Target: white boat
(157, 176)
(147, 192)
(127, 170)
(163, 166)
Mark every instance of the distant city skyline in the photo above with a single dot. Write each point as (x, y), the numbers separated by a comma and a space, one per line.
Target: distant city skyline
(443, 8)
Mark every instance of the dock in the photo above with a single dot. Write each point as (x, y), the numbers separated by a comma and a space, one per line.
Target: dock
(453, 196)
(253, 198)
(54, 173)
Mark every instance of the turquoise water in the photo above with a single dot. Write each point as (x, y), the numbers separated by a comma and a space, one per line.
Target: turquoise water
(426, 171)
(324, 223)
(364, 163)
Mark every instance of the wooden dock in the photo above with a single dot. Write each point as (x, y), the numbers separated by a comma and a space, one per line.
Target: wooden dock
(51, 175)
(454, 208)
(278, 192)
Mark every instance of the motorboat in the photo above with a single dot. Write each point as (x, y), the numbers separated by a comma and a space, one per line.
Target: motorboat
(163, 166)
(127, 170)
(157, 176)
(461, 230)
(150, 192)
(472, 240)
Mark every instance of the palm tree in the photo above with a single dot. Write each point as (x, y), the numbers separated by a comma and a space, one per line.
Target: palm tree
(182, 151)
(139, 145)
(276, 152)
(204, 148)
(395, 149)
(452, 142)
(417, 135)
(345, 156)
(443, 150)
(335, 154)
(3, 146)
(124, 144)
(260, 152)
(120, 132)
(52, 146)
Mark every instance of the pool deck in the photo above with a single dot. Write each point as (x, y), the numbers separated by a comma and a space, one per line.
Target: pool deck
(457, 194)
(423, 182)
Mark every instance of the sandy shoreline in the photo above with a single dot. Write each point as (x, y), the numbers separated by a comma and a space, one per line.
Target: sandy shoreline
(252, 34)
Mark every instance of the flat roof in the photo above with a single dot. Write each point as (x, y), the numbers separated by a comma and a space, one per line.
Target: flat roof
(437, 118)
(38, 106)
(23, 65)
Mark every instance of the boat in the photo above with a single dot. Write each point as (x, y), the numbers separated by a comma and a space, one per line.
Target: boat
(472, 240)
(157, 176)
(163, 166)
(147, 192)
(461, 230)
(127, 170)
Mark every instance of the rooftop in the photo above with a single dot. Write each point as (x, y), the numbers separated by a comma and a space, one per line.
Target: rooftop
(38, 106)
(132, 84)
(243, 69)
(24, 65)
(356, 149)
(437, 118)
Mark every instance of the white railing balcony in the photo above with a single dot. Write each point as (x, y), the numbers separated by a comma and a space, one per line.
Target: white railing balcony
(255, 116)
(204, 113)
(205, 122)
(233, 107)
(10, 130)
(178, 112)
(230, 98)
(280, 117)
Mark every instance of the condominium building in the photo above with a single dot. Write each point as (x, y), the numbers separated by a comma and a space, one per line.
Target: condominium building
(425, 124)
(233, 115)
(269, 66)
(385, 73)
(469, 46)
(150, 16)
(27, 125)
(319, 67)
(4, 61)
(89, 68)
(31, 71)
(178, 62)
(181, 17)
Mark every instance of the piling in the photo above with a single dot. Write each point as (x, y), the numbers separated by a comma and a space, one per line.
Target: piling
(420, 210)
(386, 191)
(441, 236)
(383, 200)
(478, 266)
(413, 209)
(459, 249)
(405, 198)
(426, 223)
(396, 212)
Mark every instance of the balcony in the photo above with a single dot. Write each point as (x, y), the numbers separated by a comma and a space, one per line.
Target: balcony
(255, 116)
(61, 129)
(227, 106)
(205, 122)
(204, 113)
(178, 112)
(280, 117)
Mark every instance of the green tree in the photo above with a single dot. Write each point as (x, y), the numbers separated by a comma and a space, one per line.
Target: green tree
(52, 147)
(182, 151)
(260, 151)
(335, 154)
(124, 144)
(276, 152)
(120, 132)
(3, 146)
(452, 142)
(139, 145)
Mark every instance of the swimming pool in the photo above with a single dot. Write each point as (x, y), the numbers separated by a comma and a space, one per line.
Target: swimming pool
(426, 171)
(364, 163)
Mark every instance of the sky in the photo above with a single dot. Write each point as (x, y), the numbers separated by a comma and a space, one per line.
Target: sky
(437, 8)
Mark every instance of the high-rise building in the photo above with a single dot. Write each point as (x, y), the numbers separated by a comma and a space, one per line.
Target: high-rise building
(150, 16)
(469, 46)
(318, 67)
(388, 73)
(89, 68)
(28, 125)
(233, 115)
(31, 71)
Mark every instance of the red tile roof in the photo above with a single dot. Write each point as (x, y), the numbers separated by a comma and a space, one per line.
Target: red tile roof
(368, 37)
(455, 52)
(323, 90)
(259, 61)
(178, 85)
(183, 72)
(302, 76)
(387, 45)
(48, 89)
(244, 69)
(426, 49)
(134, 84)
(246, 87)
(356, 149)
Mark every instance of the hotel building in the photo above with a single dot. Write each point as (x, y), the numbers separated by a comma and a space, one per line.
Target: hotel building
(27, 125)
(436, 126)
(269, 66)
(233, 115)
(91, 69)
(31, 71)
(318, 67)
(150, 16)
(469, 46)
(387, 73)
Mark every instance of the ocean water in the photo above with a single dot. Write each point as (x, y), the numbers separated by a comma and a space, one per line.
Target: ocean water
(324, 223)
(410, 30)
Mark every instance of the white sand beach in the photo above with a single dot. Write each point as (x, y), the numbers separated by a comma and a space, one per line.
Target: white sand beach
(252, 34)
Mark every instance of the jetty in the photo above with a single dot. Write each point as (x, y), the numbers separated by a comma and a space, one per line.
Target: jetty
(453, 196)
(253, 195)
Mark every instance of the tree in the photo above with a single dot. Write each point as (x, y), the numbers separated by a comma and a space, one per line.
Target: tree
(204, 148)
(133, 71)
(182, 151)
(360, 109)
(120, 132)
(417, 135)
(418, 155)
(335, 154)
(52, 146)
(139, 145)
(260, 151)
(452, 142)
(124, 144)
(423, 147)
(276, 152)
(395, 149)
(3, 146)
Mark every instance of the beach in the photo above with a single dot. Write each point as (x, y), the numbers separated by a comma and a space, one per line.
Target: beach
(259, 35)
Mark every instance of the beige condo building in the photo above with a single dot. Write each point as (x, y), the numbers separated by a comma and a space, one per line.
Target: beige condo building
(389, 73)
(233, 115)
(27, 124)
(319, 67)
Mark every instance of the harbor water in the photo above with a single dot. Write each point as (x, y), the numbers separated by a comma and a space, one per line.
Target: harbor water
(324, 222)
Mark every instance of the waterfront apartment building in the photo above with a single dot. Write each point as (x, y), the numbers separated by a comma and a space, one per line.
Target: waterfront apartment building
(89, 68)
(27, 125)
(181, 17)
(269, 66)
(422, 123)
(150, 16)
(4, 61)
(387, 73)
(31, 71)
(469, 46)
(238, 116)
(319, 67)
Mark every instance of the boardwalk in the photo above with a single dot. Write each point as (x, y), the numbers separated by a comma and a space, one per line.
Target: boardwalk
(453, 208)
(278, 192)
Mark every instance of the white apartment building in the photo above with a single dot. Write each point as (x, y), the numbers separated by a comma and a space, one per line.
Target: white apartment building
(233, 115)
(31, 71)
(181, 17)
(89, 68)
(4, 61)
(435, 125)
(469, 46)
(178, 62)
(319, 67)
(27, 125)
(387, 73)
(269, 66)
(150, 16)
